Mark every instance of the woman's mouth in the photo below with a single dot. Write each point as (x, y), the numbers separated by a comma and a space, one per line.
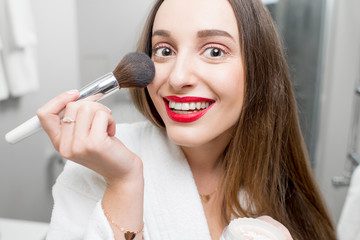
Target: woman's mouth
(187, 109)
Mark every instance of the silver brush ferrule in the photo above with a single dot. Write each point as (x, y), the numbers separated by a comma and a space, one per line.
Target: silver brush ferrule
(102, 86)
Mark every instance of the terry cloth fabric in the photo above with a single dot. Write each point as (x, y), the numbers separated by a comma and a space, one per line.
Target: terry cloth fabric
(21, 60)
(349, 224)
(172, 206)
(4, 91)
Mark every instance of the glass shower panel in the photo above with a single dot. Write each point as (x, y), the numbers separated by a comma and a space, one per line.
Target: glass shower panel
(299, 23)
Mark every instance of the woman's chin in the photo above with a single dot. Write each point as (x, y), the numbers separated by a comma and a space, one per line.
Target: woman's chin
(185, 139)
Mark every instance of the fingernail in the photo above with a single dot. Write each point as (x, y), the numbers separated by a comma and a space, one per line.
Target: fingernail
(72, 92)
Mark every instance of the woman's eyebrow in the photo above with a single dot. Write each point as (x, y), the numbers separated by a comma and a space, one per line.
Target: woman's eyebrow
(213, 32)
(200, 34)
(163, 33)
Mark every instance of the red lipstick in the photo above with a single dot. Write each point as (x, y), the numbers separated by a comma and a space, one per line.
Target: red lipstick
(191, 115)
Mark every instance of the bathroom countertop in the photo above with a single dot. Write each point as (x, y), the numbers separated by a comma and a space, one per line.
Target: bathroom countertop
(11, 229)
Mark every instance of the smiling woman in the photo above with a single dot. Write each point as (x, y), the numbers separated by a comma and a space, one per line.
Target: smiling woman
(224, 141)
(265, 131)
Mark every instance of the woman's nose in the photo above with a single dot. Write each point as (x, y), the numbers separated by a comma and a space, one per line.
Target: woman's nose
(182, 74)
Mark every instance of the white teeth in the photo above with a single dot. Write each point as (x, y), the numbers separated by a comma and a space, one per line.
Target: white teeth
(188, 105)
(198, 105)
(185, 106)
(171, 104)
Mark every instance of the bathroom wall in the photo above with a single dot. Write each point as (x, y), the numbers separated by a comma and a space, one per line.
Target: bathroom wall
(25, 178)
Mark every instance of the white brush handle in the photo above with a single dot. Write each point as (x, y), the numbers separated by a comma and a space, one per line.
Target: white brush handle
(25, 130)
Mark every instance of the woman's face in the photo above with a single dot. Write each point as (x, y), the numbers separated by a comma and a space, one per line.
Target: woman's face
(198, 87)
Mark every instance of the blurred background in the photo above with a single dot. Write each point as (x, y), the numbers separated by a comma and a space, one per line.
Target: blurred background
(63, 44)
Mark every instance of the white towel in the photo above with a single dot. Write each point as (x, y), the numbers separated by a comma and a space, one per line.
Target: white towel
(22, 73)
(349, 224)
(21, 59)
(22, 23)
(4, 90)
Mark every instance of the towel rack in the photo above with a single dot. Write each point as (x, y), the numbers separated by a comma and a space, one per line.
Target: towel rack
(344, 179)
(353, 156)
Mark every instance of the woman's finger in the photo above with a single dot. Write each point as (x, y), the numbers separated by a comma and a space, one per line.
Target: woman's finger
(103, 125)
(67, 130)
(84, 119)
(57, 104)
(84, 116)
(49, 114)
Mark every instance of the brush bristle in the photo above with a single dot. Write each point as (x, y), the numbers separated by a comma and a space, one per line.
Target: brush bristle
(135, 70)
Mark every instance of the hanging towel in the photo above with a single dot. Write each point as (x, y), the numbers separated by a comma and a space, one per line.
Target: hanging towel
(22, 23)
(21, 59)
(349, 224)
(4, 91)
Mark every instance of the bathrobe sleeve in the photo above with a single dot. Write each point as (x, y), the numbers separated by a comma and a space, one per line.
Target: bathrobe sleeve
(77, 193)
(77, 212)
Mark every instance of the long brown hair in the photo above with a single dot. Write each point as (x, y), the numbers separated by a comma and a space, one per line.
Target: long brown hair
(266, 158)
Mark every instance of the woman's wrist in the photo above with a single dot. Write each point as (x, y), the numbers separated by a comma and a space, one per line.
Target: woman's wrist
(132, 178)
(123, 205)
(127, 190)
(133, 185)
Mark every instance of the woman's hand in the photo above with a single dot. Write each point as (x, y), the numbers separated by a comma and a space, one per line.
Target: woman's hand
(89, 140)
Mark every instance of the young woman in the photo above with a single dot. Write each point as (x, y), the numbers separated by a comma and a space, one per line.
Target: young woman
(225, 140)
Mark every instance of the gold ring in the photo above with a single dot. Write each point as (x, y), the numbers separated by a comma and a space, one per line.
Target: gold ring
(68, 120)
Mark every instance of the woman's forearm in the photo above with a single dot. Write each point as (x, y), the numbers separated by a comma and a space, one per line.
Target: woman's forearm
(123, 206)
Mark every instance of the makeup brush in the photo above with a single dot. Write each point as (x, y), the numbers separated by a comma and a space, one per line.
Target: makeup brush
(135, 70)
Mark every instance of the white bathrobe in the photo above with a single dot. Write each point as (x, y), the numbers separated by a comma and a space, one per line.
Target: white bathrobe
(172, 206)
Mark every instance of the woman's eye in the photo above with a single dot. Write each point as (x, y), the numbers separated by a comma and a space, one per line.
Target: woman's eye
(163, 52)
(214, 53)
